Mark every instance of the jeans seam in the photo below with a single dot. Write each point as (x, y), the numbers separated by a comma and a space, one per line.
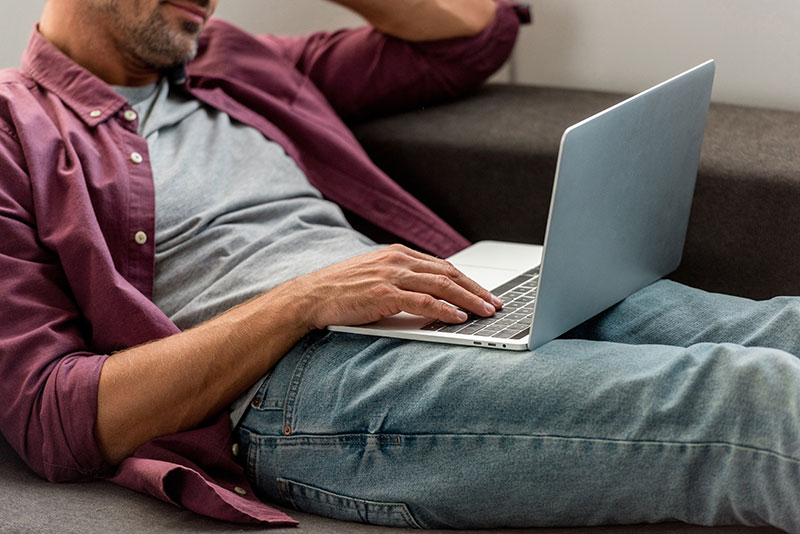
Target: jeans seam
(399, 508)
(294, 383)
(252, 472)
(393, 438)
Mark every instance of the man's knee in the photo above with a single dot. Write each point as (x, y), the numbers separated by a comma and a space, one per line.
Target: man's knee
(756, 391)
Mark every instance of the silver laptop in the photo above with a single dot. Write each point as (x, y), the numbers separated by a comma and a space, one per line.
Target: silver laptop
(618, 216)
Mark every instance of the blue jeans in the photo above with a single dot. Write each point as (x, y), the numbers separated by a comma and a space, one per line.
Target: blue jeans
(676, 404)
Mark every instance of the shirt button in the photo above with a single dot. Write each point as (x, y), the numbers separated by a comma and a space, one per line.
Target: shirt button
(136, 158)
(95, 113)
(130, 115)
(140, 238)
(240, 491)
(235, 449)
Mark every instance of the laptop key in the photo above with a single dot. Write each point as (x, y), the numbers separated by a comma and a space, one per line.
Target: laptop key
(522, 333)
(470, 329)
(489, 330)
(513, 283)
(505, 334)
(513, 330)
(452, 328)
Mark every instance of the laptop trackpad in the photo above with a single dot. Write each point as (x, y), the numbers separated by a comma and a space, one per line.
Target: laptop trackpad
(492, 263)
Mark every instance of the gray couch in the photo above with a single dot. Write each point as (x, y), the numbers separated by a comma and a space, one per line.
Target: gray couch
(471, 161)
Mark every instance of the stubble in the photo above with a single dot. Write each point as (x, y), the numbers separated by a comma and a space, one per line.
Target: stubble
(151, 41)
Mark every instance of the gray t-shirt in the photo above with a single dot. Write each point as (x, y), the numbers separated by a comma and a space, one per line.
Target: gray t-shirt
(235, 215)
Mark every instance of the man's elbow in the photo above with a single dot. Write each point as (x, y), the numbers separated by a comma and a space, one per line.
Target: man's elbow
(51, 427)
(480, 17)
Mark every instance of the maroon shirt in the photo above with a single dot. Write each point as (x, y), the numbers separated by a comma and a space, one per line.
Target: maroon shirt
(77, 223)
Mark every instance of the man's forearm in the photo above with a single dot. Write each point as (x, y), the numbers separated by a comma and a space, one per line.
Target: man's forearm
(173, 384)
(425, 20)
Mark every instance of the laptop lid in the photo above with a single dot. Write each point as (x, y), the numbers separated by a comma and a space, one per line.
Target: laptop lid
(621, 201)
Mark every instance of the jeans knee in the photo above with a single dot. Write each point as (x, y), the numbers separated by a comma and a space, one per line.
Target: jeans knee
(759, 391)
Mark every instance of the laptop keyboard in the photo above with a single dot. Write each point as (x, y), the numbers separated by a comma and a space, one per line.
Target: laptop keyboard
(512, 322)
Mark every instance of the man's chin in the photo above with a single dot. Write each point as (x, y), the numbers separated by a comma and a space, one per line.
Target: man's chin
(159, 60)
(164, 41)
(167, 63)
(175, 53)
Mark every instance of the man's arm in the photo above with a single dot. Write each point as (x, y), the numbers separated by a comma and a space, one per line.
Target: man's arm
(57, 392)
(175, 383)
(364, 71)
(425, 20)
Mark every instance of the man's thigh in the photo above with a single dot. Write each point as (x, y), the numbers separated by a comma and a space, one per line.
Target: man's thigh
(357, 426)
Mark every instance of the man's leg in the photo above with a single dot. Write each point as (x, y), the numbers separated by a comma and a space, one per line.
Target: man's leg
(670, 313)
(574, 433)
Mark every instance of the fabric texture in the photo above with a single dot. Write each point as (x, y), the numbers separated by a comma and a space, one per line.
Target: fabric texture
(674, 404)
(77, 198)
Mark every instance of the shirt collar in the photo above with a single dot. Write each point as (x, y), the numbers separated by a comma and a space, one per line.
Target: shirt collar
(92, 99)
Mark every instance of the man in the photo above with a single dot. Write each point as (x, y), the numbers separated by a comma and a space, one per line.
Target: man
(171, 250)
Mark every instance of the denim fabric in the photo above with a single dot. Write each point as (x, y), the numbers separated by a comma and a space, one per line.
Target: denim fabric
(680, 405)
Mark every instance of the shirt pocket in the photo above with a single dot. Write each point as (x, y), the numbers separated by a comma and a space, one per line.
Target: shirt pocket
(310, 499)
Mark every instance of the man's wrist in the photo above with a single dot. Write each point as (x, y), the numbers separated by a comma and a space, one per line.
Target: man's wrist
(296, 303)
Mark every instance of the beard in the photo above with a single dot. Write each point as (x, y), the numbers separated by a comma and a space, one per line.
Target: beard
(158, 45)
(154, 43)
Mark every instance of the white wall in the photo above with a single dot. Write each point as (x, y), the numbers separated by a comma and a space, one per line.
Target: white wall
(16, 20)
(628, 44)
(621, 45)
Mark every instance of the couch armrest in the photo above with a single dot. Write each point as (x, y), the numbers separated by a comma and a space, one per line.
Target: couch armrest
(491, 157)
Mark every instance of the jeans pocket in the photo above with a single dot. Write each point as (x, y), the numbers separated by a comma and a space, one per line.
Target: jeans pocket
(261, 401)
(317, 501)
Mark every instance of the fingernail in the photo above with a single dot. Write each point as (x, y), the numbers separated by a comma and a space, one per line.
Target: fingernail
(489, 308)
(461, 316)
(497, 302)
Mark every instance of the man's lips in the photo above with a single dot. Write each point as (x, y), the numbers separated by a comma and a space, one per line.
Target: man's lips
(191, 11)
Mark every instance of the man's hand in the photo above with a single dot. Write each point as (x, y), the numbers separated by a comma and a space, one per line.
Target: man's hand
(174, 383)
(425, 20)
(388, 281)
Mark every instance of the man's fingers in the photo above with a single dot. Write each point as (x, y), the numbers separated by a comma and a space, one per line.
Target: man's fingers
(444, 268)
(395, 279)
(446, 288)
(419, 262)
(429, 306)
